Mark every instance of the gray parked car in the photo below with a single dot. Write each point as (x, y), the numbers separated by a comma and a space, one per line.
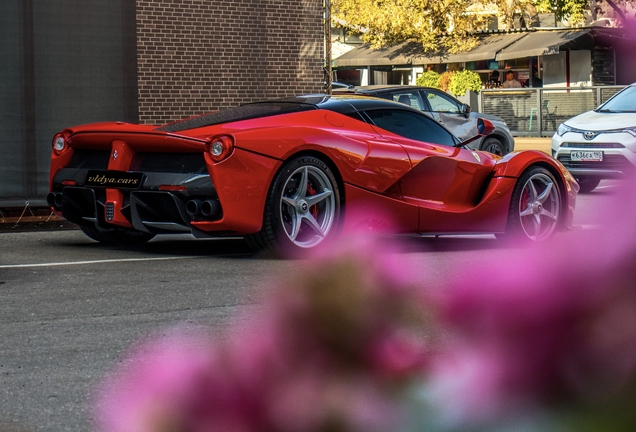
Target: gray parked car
(450, 112)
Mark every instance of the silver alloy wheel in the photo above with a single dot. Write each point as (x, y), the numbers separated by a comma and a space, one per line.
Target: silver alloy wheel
(307, 206)
(539, 207)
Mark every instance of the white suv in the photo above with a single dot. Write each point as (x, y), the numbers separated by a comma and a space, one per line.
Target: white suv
(601, 143)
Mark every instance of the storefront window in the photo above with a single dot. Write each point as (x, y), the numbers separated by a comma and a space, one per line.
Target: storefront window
(453, 67)
(348, 76)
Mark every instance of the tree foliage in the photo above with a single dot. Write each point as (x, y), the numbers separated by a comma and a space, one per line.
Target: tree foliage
(439, 25)
(428, 79)
(509, 8)
(464, 80)
(445, 80)
(621, 10)
(571, 10)
(446, 26)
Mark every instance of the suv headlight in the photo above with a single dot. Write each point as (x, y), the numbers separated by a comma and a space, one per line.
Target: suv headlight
(563, 129)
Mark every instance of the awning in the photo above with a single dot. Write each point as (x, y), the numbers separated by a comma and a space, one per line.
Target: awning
(492, 46)
(364, 55)
(547, 42)
(487, 49)
(407, 53)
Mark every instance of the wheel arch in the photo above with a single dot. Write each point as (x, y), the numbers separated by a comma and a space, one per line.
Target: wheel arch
(267, 239)
(327, 161)
(502, 138)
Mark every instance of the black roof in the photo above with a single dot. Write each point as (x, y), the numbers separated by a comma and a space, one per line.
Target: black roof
(344, 104)
(383, 89)
(389, 87)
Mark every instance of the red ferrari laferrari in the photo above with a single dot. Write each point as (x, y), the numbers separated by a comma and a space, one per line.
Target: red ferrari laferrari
(282, 174)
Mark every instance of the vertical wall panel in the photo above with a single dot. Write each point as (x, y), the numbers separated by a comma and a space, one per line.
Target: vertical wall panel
(11, 148)
(68, 62)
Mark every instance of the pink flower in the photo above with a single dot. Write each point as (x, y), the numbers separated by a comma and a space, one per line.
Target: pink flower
(399, 353)
(186, 382)
(358, 306)
(549, 325)
(329, 349)
(153, 388)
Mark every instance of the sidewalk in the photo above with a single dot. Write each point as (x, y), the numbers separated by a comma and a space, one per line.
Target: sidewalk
(533, 143)
(31, 219)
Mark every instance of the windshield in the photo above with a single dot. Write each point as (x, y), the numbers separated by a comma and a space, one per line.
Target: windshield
(623, 102)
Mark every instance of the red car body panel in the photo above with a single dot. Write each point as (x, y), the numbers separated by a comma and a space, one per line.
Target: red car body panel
(244, 197)
(381, 212)
(363, 157)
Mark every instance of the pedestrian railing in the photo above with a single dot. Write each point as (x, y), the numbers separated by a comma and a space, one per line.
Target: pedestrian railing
(539, 111)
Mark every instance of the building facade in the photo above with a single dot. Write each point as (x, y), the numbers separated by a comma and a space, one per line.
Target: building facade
(196, 56)
(564, 57)
(69, 62)
(579, 68)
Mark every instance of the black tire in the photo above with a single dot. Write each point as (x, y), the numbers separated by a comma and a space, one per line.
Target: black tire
(493, 145)
(588, 184)
(536, 206)
(116, 236)
(297, 219)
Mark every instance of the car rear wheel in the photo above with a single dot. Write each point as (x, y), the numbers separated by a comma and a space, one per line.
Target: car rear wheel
(493, 145)
(116, 236)
(302, 209)
(535, 208)
(588, 184)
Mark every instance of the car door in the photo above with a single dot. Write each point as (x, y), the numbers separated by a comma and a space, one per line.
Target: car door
(444, 177)
(449, 112)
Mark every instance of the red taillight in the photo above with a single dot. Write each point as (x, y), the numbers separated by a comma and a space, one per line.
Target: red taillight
(60, 143)
(69, 182)
(220, 147)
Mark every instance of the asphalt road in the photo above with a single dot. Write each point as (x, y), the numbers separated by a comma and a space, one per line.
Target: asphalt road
(69, 307)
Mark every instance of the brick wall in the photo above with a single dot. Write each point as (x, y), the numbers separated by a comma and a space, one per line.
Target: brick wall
(195, 56)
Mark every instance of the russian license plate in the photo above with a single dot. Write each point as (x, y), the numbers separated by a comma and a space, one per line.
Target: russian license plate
(113, 179)
(586, 156)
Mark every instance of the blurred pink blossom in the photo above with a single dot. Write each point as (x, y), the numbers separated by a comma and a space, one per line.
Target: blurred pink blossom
(554, 325)
(344, 342)
(331, 349)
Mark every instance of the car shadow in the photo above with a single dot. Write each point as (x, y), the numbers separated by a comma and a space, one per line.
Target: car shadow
(449, 243)
(236, 247)
(168, 245)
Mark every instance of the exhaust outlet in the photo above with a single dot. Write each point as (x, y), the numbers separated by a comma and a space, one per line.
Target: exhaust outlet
(193, 207)
(54, 199)
(210, 208)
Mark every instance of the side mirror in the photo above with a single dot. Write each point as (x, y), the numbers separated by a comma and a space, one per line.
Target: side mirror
(465, 109)
(484, 127)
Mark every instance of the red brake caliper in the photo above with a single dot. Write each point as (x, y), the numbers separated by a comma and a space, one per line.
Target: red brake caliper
(314, 208)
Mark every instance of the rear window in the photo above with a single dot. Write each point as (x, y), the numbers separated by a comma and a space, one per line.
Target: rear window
(243, 112)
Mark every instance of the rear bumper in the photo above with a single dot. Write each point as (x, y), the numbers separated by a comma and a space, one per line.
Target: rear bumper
(228, 199)
(148, 209)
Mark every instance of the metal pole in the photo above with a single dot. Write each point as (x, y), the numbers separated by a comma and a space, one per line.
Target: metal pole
(327, 68)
